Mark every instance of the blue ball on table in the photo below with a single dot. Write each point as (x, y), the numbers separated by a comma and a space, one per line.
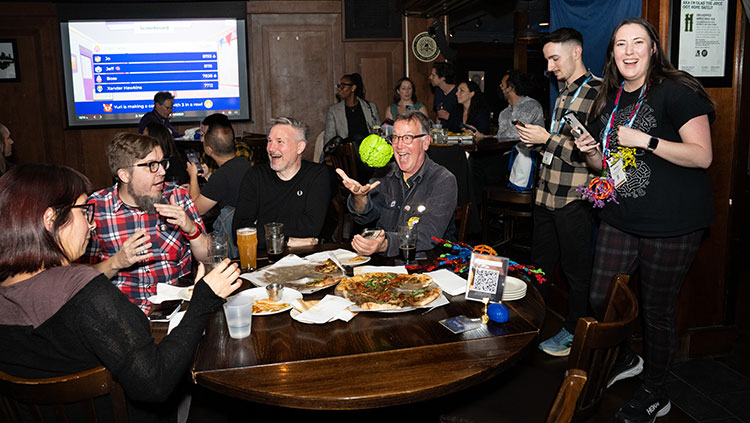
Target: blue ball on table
(498, 312)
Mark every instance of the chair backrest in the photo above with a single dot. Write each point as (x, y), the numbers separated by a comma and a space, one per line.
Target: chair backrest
(567, 397)
(463, 212)
(58, 392)
(318, 150)
(596, 344)
(343, 158)
(258, 146)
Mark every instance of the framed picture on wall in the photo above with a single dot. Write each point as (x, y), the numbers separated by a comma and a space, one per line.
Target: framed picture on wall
(702, 40)
(9, 61)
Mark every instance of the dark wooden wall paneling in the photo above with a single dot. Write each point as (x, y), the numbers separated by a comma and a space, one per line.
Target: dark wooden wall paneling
(703, 311)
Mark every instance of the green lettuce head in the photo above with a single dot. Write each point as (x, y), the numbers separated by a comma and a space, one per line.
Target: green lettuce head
(375, 151)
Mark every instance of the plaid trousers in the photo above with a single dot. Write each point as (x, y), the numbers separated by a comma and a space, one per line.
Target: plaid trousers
(662, 264)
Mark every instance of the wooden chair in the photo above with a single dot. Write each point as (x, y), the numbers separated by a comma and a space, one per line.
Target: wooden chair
(342, 158)
(463, 213)
(54, 394)
(596, 343)
(565, 404)
(509, 204)
(594, 349)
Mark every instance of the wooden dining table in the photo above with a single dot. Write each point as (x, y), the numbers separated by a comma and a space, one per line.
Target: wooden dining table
(375, 360)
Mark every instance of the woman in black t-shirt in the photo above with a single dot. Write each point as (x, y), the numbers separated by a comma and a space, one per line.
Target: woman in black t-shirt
(652, 140)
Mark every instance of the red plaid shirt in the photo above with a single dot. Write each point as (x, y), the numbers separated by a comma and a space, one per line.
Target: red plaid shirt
(116, 221)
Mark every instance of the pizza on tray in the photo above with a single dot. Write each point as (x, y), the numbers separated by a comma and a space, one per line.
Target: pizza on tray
(388, 291)
(309, 275)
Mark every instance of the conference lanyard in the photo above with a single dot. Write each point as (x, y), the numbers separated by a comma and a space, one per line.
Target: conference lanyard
(559, 99)
(628, 123)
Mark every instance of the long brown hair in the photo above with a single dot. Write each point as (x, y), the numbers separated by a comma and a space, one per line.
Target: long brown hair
(659, 69)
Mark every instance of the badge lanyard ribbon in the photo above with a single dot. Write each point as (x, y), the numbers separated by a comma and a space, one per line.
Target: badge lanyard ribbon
(602, 189)
(559, 99)
(629, 123)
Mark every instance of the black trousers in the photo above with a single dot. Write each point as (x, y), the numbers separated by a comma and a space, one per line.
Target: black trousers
(565, 234)
(662, 264)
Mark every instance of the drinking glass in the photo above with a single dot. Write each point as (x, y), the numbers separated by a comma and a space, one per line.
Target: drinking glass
(247, 243)
(407, 243)
(274, 241)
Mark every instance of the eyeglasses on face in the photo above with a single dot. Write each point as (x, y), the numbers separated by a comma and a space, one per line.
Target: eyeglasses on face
(407, 139)
(153, 167)
(88, 210)
(342, 85)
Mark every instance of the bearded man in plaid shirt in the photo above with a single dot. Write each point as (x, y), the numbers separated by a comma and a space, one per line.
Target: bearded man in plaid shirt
(147, 230)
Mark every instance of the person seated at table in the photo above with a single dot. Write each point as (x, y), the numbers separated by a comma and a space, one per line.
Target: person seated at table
(58, 318)
(416, 189)
(287, 189)
(223, 187)
(6, 148)
(177, 173)
(515, 90)
(240, 148)
(404, 99)
(163, 102)
(147, 230)
(473, 110)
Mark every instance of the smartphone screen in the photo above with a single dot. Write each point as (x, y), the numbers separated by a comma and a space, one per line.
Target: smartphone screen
(193, 157)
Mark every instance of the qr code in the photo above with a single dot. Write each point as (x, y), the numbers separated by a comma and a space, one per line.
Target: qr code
(486, 280)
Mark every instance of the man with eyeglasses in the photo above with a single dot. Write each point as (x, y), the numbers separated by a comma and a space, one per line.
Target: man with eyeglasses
(147, 230)
(163, 103)
(416, 190)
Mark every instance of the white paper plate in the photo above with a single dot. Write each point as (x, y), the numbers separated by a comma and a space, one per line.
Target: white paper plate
(288, 297)
(345, 257)
(515, 289)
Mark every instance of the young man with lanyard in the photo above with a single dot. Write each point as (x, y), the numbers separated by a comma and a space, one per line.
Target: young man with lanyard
(562, 219)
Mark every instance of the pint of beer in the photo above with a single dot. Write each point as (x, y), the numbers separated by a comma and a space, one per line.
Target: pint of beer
(247, 242)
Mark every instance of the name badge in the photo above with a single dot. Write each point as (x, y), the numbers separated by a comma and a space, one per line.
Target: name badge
(547, 158)
(617, 171)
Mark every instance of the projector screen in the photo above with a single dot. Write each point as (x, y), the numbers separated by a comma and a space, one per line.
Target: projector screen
(113, 68)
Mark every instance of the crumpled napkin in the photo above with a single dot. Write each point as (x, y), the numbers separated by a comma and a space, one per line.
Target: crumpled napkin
(331, 307)
(167, 292)
(175, 320)
(379, 269)
(448, 281)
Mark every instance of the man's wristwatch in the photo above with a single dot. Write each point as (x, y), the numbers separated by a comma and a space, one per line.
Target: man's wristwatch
(652, 144)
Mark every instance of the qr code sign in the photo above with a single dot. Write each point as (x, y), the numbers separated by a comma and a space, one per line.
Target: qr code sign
(486, 280)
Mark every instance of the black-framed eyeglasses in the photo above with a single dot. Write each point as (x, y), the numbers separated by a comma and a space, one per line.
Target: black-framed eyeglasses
(88, 210)
(153, 167)
(342, 85)
(407, 139)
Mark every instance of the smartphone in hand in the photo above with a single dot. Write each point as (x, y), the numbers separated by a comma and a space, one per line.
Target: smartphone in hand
(518, 122)
(576, 127)
(370, 233)
(193, 158)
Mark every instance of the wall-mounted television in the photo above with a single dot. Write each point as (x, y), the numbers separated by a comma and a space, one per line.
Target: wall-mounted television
(117, 56)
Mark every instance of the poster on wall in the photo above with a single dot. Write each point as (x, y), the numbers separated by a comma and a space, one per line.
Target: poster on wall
(9, 61)
(703, 39)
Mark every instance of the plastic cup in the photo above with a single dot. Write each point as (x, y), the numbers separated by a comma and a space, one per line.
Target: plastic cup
(239, 314)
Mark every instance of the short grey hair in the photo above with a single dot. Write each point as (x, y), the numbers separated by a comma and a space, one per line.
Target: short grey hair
(415, 115)
(302, 128)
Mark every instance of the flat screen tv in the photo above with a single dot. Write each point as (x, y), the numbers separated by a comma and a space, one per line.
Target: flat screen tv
(116, 60)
